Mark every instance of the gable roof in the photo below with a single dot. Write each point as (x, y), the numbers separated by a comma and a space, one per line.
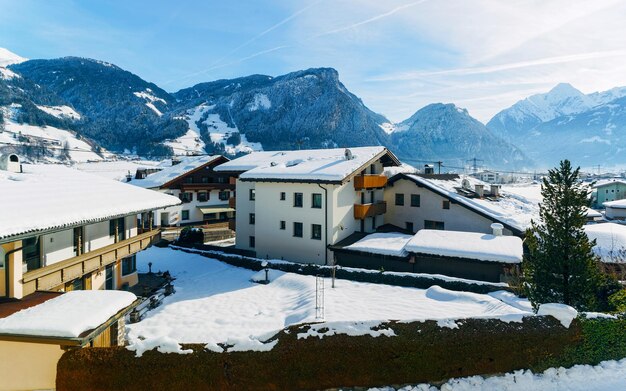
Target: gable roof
(609, 182)
(168, 174)
(45, 198)
(313, 165)
(512, 211)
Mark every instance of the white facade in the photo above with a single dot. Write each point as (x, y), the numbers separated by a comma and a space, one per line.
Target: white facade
(174, 215)
(431, 210)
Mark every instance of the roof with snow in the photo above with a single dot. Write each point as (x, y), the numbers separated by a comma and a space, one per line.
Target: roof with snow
(168, 174)
(470, 245)
(608, 182)
(69, 315)
(388, 243)
(617, 204)
(514, 211)
(324, 165)
(610, 241)
(594, 213)
(49, 197)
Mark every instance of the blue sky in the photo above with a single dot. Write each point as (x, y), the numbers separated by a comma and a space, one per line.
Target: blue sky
(396, 55)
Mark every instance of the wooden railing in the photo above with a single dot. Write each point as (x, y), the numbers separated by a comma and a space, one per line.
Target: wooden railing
(369, 181)
(206, 186)
(362, 211)
(59, 273)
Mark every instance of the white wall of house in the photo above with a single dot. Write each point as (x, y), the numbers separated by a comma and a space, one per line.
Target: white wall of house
(97, 236)
(615, 213)
(457, 218)
(130, 225)
(244, 207)
(174, 213)
(57, 247)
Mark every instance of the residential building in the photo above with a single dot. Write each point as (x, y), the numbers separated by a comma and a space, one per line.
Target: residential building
(487, 176)
(609, 190)
(450, 202)
(615, 210)
(62, 229)
(204, 193)
(294, 204)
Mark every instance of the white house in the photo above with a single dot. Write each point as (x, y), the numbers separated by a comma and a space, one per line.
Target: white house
(63, 229)
(615, 210)
(450, 202)
(204, 193)
(294, 204)
(487, 176)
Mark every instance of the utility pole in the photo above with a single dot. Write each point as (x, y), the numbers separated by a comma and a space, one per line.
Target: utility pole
(474, 162)
(439, 163)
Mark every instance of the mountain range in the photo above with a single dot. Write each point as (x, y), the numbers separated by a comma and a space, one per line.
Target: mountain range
(112, 109)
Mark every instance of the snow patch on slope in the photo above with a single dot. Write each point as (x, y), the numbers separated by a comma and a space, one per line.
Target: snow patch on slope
(261, 101)
(60, 111)
(8, 58)
(150, 98)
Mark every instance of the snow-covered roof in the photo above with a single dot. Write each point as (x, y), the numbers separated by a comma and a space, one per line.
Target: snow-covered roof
(605, 182)
(306, 165)
(513, 210)
(617, 204)
(594, 213)
(47, 197)
(69, 315)
(390, 243)
(610, 241)
(168, 174)
(471, 245)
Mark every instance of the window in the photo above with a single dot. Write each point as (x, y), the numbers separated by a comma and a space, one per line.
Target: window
(429, 224)
(252, 241)
(31, 253)
(415, 200)
(186, 197)
(316, 201)
(409, 226)
(203, 196)
(189, 179)
(204, 179)
(252, 195)
(283, 195)
(129, 265)
(297, 230)
(221, 179)
(184, 215)
(224, 195)
(283, 225)
(117, 226)
(445, 204)
(108, 278)
(399, 199)
(316, 231)
(297, 200)
(112, 224)
(252, 218)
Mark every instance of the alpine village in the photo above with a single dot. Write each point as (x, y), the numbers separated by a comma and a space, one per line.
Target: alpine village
(216, 231)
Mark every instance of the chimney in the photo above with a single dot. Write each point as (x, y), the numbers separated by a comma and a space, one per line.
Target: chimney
(495, 191)
(480, 190)
(175, 161)
(497, 229)
(10, 162)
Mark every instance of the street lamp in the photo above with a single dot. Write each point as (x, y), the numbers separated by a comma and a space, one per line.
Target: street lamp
(267, 271)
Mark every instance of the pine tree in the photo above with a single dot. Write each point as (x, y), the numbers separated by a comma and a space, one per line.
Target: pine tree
(560, 266)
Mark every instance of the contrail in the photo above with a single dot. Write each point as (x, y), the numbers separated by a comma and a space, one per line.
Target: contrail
(503, 67)
(370, 20)
(216, 63)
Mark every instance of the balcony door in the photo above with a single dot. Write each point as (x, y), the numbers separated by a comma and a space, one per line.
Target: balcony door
(109, 278)
(79, 241)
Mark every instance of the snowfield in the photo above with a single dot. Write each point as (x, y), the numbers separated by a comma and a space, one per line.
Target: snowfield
(608, 375)
(216, 303)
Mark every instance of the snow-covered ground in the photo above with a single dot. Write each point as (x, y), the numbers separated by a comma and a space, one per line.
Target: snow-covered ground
(53, 138)
(607, 376)
(530, 191)
(217, 303)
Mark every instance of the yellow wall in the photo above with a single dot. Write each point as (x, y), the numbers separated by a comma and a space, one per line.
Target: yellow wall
(15, 270)
(28, 366)
(131, 278)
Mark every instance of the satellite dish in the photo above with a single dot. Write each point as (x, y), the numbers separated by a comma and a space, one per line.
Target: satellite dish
(348, 154)
(465, 184)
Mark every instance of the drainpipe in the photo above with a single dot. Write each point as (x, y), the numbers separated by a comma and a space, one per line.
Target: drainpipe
(325, 223)
(6, 270)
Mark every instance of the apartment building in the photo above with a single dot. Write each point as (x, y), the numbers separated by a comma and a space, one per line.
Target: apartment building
(204, 193)
(293, 204)
(62, 229)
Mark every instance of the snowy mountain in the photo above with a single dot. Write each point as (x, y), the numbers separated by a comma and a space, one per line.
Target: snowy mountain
(446, 132)
(565, 123)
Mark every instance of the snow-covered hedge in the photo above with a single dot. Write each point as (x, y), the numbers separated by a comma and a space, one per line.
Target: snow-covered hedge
(417, 352)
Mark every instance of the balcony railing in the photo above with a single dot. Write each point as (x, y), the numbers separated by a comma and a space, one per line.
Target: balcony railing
(206, 186)
(362, 211)
(231, 202)
(59, 273)
(232, 225)
(369, 181)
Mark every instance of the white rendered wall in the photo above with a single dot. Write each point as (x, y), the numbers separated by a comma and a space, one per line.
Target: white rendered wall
(457, 218)
(244, 207)
(57, 247)
(97, 236)
(615, 213)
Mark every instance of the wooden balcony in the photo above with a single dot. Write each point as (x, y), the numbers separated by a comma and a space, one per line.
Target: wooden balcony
(231, 202)
(369, 181)
(362, 211)
(231, 224)
(59, 273)
(206, 186)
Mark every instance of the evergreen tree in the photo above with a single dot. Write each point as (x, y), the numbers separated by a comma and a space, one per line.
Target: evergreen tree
(560, 266)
